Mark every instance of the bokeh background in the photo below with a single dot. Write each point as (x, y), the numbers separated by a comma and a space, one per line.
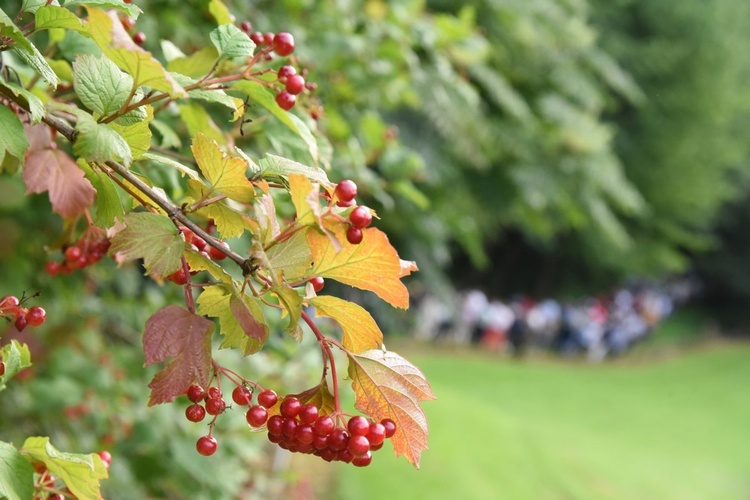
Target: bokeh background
(529, 150)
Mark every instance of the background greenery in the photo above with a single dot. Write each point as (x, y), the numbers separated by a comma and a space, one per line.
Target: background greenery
(536, 146)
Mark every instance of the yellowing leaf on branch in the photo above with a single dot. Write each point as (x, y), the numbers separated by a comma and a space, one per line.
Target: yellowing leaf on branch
(372, 265)
(387, 386)
(226, 175)
(175, 332)
(150, 237)
(242, 323)
(54, 171)
(361, 333)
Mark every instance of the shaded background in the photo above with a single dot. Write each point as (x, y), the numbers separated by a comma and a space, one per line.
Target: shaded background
(550, 148)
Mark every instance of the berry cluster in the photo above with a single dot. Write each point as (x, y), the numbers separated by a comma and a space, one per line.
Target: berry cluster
(88, 250)
(128, 23)
(11, 306)
(359, 218)
(199, 245)
(213, 404)
(299, 428)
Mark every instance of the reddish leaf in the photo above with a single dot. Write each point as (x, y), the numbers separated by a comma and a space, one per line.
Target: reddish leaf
(175, 332)
(39, 136)
(54, 171)
(388, 386)
(372, 265)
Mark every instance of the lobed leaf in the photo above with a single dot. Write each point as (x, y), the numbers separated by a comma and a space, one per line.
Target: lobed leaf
(292, 257)
(306, 199)
(226, 175)
(197, 262)
(16, 474)
(80, 473)
(154, 239)
(36, 107)
(230, 41)
(241, 318)
(229, 222)
(53, 171)
(99, 142)
(275, 166)
(13, 141)
(214, 95)
(360, 331)
(100, 84)
(108, 203)
(220, 12)
(130, 9)
(372, 265)
(16, 357)
(26, 50)
(138, 135)
(387, 386)
(175, 332)
(52, 16)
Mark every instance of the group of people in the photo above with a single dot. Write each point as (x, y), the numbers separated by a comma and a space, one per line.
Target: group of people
(595, 326)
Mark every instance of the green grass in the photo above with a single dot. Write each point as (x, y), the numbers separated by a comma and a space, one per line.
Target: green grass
(675, 429)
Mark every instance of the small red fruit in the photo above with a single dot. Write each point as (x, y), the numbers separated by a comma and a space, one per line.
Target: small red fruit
(346, 190)
(9, 305)
(354, 235)
(215, 406)
(295, 84)
(139, 38)
(242, 395)
(214, 393)
(105, 456)
(390, 427)
(285, 100)
(358, 426)
(53, 267)
(257, 38)
(308, 413)
(246, 27)
(358, 445)
(376, 435)
(290, 407)
(256, 416)
(317, 283)
(2, 368)
(268, 38)
(267, 398)
(73, 254)
(285, 72)
(363, 461)
(324, 425)
(207, 445)
(21, 321)
(338, 439)
(283, 43)
(36, 316)
(216, 254)
(361, 217)
(196, 393)
(195, 413)
(275, 425)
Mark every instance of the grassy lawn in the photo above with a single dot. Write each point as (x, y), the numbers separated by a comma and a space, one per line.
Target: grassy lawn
(670, 429)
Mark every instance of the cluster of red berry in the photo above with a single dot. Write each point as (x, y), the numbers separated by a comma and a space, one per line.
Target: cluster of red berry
(359, 218)
(199, 245)
(300, 428)
(88, 250)
(50, 487)
(213, 404)
(11, 306)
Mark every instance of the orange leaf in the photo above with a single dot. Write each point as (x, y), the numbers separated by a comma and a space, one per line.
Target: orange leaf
(372, 265)
(388, 386)
(360, 330)
(54, 171)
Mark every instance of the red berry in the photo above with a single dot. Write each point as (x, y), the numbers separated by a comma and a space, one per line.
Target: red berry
(338, 439)
(285, 100)
(246, 27)
(358, 426)
(308, 413)
(346, 190)
(305, 434)
(267, 398)
(289, 427)
(345, 456)
(128, 23)
(363, 461)
(257, 38)
(375, 447)
(53, 267)
(9, 305)
(216, 254)
(21, 322)
(207, 445)
(215, 406)
(196, 393)
(390, 427)
(328, 455)
(179, 277)
(324, 425)
(358, 445)
(195, 413)
(311, 86)
(72, 254)
(295, 84)
(214, 393)
(283, 44)
(376, 435)
(105, 456)
(2, 368)
(59, 496)
(139, 38)
(290, 407)
(346, 204)
(354, 235)
(317, 283)
(268, 38)
(36, 316)
(285, 72)
(242, 395)
(275, 438)
(361, 217)
(275, 425)
(320, 442)
(256, 416)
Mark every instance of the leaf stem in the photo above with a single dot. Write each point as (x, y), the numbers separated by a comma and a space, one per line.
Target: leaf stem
(189, 299)
(323, 341)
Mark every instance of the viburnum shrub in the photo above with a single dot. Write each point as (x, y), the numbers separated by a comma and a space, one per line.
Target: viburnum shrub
(79, 126)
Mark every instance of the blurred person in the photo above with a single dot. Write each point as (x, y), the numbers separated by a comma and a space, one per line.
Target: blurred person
(496, 321)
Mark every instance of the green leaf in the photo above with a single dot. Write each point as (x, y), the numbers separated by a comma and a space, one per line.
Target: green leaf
(169, 138)
(26, 50)
(16, 474)
(16, 357)
(292, 302)
(214, 95)
(275, 166)
(99, 142)
(108, 203)
(80, 473)
(62, 69)
(220, 12)
(33, 5)
(198, 121)
(35, 104)
(111, 37)
(241, 317)
(230, 41)
(13, 140)
(154, 239)
(196, 64)
(292, 256)
(198, 262)
(130, 9)
(100, 84)
(137, 135)
(50, 17)
(165, 160)
(226, 174)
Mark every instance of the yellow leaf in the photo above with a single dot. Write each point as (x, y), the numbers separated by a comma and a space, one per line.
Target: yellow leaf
(361, 333)
(229, 222)
(138, 135)
(226, 175)
(372, 265)
(305, 198)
